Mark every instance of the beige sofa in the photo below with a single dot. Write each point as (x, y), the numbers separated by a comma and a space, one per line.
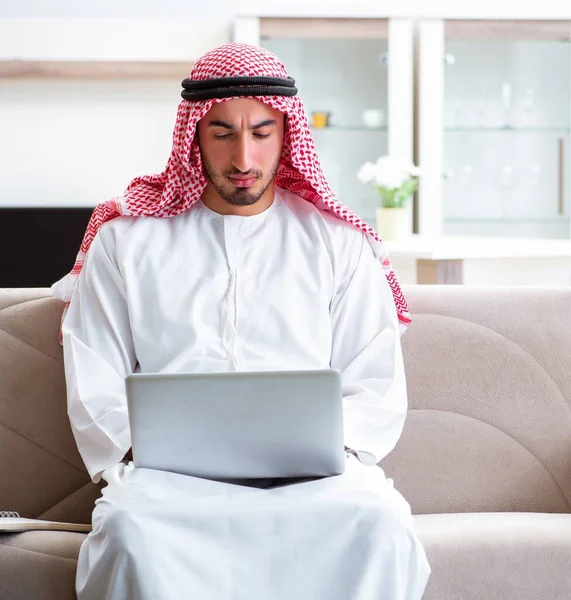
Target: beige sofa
(485, 458)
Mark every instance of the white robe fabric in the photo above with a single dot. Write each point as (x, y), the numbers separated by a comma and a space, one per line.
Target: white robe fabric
(291, 288)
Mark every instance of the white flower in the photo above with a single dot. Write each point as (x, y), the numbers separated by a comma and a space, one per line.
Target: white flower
(388, 172)
(367, 173)
(391, 180)
(389, 163)
(399, 165)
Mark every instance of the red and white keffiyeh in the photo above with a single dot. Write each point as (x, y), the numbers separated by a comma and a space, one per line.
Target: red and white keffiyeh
(181, 184)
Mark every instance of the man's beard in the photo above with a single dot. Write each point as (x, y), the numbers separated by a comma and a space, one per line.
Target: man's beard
(237, 196)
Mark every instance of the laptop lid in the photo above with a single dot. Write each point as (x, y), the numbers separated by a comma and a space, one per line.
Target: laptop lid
(238, 425)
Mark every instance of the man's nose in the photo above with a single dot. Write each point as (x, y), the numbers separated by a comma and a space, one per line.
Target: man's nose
(242, 155)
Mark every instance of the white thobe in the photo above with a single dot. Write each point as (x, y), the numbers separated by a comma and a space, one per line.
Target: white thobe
(290, 288)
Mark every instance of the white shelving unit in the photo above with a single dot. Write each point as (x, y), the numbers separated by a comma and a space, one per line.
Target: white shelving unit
(346, 66)
(494, 128)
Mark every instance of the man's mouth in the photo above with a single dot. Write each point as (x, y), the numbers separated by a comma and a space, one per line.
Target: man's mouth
(241, 181)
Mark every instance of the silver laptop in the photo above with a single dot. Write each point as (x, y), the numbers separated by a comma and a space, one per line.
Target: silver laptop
(228, 426)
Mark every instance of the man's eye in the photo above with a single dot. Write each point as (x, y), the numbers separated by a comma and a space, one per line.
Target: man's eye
(262, 135)
(222, 136)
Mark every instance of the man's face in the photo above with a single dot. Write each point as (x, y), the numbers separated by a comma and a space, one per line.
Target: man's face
(241, 145)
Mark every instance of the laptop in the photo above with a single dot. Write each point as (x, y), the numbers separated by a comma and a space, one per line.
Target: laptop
(245, 425)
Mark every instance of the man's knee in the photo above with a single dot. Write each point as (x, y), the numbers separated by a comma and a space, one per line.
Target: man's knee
(377, 516)
(123, 526)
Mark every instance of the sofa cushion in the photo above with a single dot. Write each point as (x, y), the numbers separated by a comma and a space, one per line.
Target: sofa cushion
(39, 564)
(494, 556)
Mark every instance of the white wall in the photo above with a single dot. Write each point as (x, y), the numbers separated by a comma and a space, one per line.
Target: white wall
(80, 142)
(230, 8)
(114, 8)
(77, 142)
(110, 38)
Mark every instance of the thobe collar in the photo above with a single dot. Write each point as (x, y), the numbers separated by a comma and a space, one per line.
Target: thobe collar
(245, 220)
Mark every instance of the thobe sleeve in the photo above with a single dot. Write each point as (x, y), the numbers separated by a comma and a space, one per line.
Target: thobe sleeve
(98, 354)
(366, 349)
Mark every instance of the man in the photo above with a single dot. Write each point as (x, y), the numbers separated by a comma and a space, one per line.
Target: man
(253, 265)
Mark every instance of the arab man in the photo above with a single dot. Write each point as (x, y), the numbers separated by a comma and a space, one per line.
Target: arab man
(238, 257)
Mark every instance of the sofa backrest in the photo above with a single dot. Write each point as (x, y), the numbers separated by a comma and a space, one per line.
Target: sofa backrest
(489, 382)
(489, 427)
(41, 472)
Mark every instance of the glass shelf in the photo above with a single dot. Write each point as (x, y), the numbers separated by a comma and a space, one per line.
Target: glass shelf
(349, 128)
(560, 219)
(561, 130)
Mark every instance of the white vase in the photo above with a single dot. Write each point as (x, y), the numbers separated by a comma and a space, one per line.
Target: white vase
(373, 118)
(393, 223)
